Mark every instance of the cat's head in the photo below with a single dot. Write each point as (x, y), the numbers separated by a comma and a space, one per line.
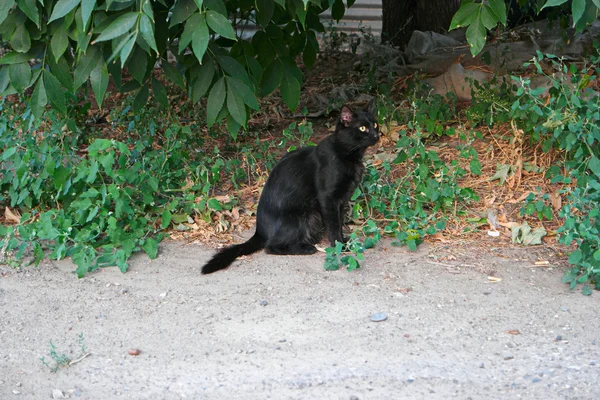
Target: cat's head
(359, 127)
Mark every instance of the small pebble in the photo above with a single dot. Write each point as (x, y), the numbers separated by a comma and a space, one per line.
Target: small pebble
(536, 380)
(558, 338)
(410, 380)
(482, 365)
(378, 317)
(134, 352)
(263, 303)
(565, 309)
(508, 358)
(593, 362)
(58, 394)
(354, 398)
(124, 291)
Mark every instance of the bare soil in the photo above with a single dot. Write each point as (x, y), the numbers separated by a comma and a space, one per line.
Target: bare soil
(479, 324)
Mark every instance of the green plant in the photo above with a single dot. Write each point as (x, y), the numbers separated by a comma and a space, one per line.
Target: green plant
(481, 16)
(60, 45)
(567, 118)
(62, 360)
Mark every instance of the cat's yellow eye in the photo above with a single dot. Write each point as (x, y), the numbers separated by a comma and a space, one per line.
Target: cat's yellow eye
(363, 128)
(375, 125)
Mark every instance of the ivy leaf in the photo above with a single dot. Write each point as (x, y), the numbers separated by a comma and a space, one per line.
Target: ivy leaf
(166, 219)
(38, 99)
(20, 76)
(99, 81)
(55, 92)
(235, 105)
(203, 82)
(150, 246)
(118, 27)
(215, 101)
(62, 8)
(220, 25)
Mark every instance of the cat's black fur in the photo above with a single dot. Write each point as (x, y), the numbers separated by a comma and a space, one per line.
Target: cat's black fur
(307, 191)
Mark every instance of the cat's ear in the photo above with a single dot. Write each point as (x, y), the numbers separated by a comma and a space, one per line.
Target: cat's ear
(370, 108)
(346, 116)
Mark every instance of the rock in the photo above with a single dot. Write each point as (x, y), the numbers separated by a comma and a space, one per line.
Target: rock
(378, 317)
(263, 303)
(58, 394)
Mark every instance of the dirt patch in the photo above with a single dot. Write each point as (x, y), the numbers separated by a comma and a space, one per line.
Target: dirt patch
(281, 327)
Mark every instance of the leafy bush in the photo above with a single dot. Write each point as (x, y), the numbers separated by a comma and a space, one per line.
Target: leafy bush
(72, 42)
(567, 118)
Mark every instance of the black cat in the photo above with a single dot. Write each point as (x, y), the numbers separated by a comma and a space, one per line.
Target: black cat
(307, 191)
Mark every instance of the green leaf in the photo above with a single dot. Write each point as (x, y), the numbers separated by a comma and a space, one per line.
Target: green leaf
(150, 246)
(141, 98)
(86, 64)
(20, 76)
(476, 36)
(232, 126)
(594, 165)
(498, 7)
(216, 5)
(466, 15)
(55, 92)
(290, 90)
(488, 18)
(62, 71)
(200, 40)
(20, 39)
(271, 78)
(5, 6)
(596, 3)
(233, 67)
(173, 74)
(203, 82)
(577, 8)
(59, 42)
(99, 81)
(188, 31)
(138, 64)
(215, 101)
(475, 167)
(166, 219)
(15, 57)
(199, 4)
(182, 10)
(159, 92)
(575, 257)
(214, 205)
(338, 10)
(244, 91)
(87, 6)
(235, 105)
(38, 99)
(265, 9)
(4, 79)
(147, 30)
(62, 8)
(118, 27)
(220, 25)
(553, 3)
(29, 7)
(586, 290)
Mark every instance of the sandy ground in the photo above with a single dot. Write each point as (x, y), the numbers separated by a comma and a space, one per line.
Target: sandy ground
(282, 328)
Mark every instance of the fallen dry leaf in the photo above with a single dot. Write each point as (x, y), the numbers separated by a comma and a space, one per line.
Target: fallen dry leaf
(134, 352)
(541, 263)
(11, 216)
(514, 332)
(494, 279)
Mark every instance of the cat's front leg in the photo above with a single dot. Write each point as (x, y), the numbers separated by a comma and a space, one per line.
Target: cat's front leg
(332, 218)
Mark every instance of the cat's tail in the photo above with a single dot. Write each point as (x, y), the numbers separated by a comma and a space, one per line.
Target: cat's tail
(225, 257)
